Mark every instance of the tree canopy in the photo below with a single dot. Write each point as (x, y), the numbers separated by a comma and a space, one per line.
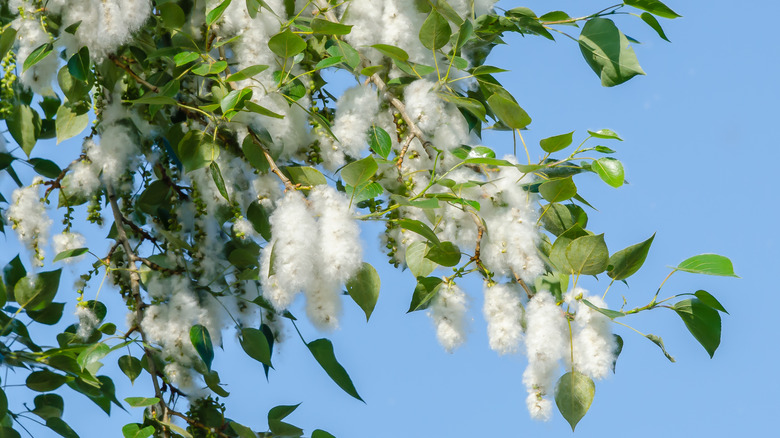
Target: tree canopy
(230, 150)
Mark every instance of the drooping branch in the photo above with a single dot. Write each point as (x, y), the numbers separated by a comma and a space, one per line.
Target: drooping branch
(135, 290)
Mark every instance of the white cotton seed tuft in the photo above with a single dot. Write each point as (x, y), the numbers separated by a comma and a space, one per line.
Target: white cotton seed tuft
(547, 342)
(503, 310)
(594, 344)
(88, 322)
(510, 244)
(339, 235)
(106, 24)
(27, 214)
(448, 312)
(355, 111)
(294, 230)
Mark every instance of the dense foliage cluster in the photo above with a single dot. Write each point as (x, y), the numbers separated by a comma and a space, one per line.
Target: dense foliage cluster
(231, 176)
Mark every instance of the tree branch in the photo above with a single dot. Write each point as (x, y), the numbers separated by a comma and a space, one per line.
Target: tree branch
(135, 289)
(130, 71)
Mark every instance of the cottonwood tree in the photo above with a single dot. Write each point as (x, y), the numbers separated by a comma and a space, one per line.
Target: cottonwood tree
(230, 178)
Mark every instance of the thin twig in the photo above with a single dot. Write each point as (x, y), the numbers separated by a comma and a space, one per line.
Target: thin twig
(137, 78)
(288, 185)
(135, 289)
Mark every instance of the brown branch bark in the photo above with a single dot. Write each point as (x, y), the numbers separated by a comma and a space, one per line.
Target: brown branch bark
(135, 289)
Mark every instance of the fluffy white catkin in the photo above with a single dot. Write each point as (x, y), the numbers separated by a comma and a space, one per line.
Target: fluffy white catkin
(594, 344)
(448, 312)
(547, 342)
(503, 310)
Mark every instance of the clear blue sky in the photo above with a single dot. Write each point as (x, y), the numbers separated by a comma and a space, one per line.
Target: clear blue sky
(700, 157)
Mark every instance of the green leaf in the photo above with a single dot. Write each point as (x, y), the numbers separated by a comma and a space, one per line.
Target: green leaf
(435, 31)
(627, 261)
(79, 65)
(473, 106)
(142, 402)
(286, 44)
(556, 143)
(247, 73)
(653, 22)
(424, 291)
(48, 405)
(370, 70)
(154, 99)
(7, 41)
(46, 381)
(654, 7)
(574, 393)
(350, 55)
(610, 170)
(201, 340)
(196, 150)
(606, 50)
(702, 321)
(61, 427)
(444, 254)
(465, 33)
(560, 217)
(488, 161)
(322, 350)
(558, 190)
(69, 123)
(214, 14)
(172, 15)
(305, 176)
(379, 141)
(45, 167)
(419, 228)
(611, 314)
(89, 358)
(242, 431)
(280, 428)
(206, 68)
(24, 124)
(708, 264)
(133, 430)
(130, 366)
(74, 89)
(49, 315)
(319, 433)
(319, 25)
(216, 175)
(392, 52)
(260, 219)
(263, 111)
(3, 404)
(416, 261)
(558, 250)
(35, 292)
(174, 427)
(660, 343)
(508, 111)
(73, 28)
(70, 253)
(235, 100)
(255, 344)
(706, 298)
(37, 55)
(606, 134)
(358, 172)
(183, 58)
(363, 287)
(588, 255)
